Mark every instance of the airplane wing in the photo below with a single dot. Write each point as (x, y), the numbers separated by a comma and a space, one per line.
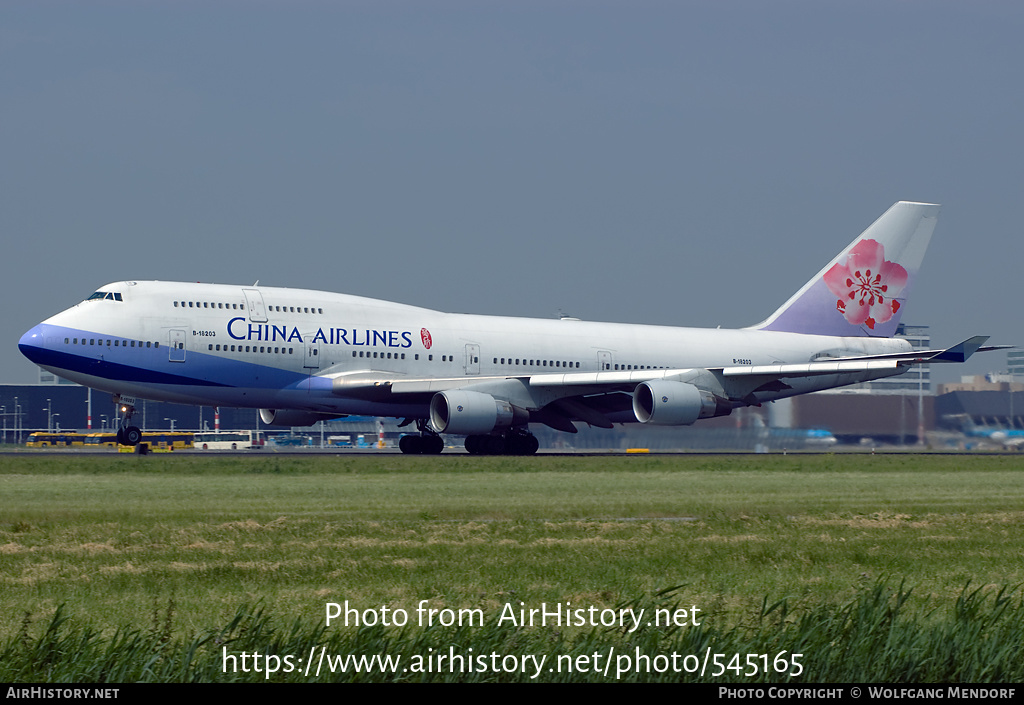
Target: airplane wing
(366, 380)
(597, 397)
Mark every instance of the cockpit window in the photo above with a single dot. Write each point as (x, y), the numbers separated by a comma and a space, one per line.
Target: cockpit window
(110, 295)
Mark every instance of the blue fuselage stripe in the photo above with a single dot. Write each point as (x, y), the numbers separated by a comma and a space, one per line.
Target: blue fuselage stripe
(152, 365)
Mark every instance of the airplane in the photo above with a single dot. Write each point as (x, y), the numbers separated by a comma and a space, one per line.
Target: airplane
(303, 356)
(1009, 438)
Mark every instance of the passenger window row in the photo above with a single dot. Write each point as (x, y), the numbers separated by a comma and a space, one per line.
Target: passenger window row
(111, 342)
(295, 309)
(389, 356)
(208, 304)
(572, 365)
(399, 356)
(537, 363)
(254, 348)
(237, 307)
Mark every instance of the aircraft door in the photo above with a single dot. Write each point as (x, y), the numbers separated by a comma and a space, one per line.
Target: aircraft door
(604, 360)
(312, 356)
(472, 359)
(177, 342)
(254, 301)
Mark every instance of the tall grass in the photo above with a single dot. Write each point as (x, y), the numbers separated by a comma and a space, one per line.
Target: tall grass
(875, 637)
(132, 568)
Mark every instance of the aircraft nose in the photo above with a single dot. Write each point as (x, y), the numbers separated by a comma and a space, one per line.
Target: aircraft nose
(32, 343)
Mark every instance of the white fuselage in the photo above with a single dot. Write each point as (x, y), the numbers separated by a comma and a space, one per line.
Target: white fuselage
(268, 347)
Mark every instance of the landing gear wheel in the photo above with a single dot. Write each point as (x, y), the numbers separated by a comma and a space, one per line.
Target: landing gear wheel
(521, 444)
(485, 445)
(526, 444)
(421, 445)
(131, 436)
(411, 445)
(426, 443)
(127, 435)
(513, 443)
(494, 445)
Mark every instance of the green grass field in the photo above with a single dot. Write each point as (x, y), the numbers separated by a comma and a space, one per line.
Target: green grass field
(177, 545)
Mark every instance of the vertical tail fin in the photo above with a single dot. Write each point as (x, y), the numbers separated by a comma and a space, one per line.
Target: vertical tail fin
(863, 290)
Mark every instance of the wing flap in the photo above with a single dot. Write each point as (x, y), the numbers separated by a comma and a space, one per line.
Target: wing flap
(440, 384)
(620, 377)
(811, 369)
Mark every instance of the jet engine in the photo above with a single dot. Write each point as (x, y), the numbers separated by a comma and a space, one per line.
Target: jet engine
(467, 413)
(294, 417)
(666, 403)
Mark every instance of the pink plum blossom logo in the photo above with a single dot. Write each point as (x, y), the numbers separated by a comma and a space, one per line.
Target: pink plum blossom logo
(866, 284)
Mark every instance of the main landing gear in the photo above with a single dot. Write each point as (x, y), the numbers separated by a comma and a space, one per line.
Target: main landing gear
(512, 443)
(427, 443)
(421, 445)
(127, 435)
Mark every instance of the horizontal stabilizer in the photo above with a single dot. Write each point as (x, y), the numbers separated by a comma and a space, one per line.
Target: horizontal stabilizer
(956, 353)
(961, 351)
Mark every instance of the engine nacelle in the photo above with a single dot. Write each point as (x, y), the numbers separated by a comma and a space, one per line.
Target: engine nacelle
(468, 413)
(294, 417)
(666, 403)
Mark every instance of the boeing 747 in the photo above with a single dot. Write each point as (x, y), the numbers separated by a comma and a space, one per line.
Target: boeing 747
(303, 356)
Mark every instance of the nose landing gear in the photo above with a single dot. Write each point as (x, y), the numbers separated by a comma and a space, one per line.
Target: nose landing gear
(127, 435)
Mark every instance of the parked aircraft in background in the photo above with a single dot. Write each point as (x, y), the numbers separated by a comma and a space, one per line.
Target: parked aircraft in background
(1009, 438)
(303, 356)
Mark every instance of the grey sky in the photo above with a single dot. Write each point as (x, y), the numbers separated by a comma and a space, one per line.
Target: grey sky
(661, 162)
